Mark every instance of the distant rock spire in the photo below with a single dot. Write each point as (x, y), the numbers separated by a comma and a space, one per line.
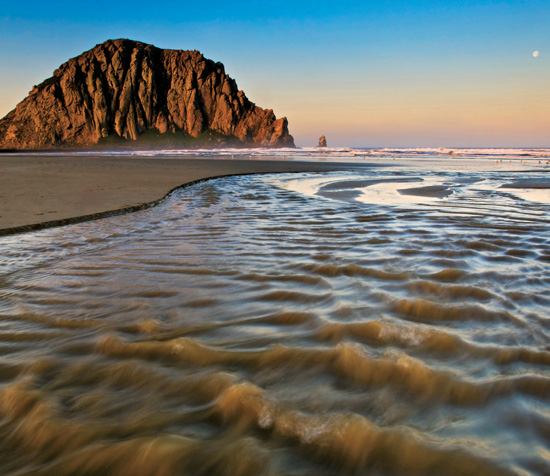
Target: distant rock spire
(322, 141)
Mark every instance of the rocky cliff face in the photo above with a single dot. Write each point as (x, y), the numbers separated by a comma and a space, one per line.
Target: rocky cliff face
(125, 88)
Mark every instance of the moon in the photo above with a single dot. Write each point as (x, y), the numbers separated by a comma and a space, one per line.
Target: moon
(535, 53)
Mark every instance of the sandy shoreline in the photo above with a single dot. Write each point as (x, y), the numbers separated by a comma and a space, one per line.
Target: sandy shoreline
(39, 191)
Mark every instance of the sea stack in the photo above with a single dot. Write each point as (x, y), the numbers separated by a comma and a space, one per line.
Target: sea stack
(125, 92)
(322, 141)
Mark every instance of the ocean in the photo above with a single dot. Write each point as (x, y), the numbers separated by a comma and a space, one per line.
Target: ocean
(390, 321)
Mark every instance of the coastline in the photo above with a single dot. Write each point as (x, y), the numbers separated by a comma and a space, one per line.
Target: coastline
(44, 191)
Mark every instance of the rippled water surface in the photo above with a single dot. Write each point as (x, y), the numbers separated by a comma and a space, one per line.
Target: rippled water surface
(389, 322)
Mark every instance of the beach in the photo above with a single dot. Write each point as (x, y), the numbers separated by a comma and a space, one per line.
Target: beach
(42, 190)
(382, 317)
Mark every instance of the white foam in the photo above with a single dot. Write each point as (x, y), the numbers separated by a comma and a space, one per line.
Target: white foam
(328, 153)
(466, 152)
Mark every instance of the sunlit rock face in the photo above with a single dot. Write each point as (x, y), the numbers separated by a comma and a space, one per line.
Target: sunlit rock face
(123, 89)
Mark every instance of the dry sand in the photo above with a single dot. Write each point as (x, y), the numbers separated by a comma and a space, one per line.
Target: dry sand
(39, 191)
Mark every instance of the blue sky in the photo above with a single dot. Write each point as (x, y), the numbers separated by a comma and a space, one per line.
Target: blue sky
(400, 73)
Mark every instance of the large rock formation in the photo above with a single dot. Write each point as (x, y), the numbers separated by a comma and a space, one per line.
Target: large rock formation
(131, 90)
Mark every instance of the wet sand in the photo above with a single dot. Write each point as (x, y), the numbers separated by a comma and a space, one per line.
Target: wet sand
(39, 191)
(434, 191)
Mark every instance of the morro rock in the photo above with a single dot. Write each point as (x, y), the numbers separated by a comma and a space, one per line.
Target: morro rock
(124, 90)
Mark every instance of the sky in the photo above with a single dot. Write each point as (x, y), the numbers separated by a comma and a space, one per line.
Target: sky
(402, 73)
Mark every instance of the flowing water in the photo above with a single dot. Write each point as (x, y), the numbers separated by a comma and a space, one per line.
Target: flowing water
(393, 321)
